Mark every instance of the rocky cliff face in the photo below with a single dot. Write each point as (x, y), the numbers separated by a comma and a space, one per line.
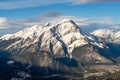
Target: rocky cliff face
(57, 45)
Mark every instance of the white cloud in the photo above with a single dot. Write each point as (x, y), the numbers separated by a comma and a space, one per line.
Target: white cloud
(25, 22)
(2, 20)
(88, 24)
(93, 1)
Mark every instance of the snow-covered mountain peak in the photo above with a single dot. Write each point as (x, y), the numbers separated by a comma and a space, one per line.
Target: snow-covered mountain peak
(62, 34)
(116, 34)
(24, 34)
(65, 20)
(59, 39)
(108, 36)
(103, 33)
(35, 30)
(5, 37)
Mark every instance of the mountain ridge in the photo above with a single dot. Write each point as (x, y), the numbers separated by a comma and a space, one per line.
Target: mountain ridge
(57, 45)
(68, 29)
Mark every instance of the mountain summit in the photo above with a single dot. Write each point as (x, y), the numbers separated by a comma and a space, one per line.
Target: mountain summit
(59, 38)
(57, 45)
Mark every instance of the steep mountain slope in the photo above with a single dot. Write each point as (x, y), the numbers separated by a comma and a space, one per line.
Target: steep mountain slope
(111, 39)
(58, 38)
(60, 46)
(64, 33)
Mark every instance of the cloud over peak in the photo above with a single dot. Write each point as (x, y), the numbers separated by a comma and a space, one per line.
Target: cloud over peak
(51, 14)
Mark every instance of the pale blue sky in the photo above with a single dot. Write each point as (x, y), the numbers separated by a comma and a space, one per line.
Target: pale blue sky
(82, 10)
(22, 9)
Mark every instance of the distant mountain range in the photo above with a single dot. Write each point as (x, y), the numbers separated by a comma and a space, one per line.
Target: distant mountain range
(63, 47)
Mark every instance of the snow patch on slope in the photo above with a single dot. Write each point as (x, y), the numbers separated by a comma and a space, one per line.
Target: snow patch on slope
(103, 33)
(61, 37)
(108, 35)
